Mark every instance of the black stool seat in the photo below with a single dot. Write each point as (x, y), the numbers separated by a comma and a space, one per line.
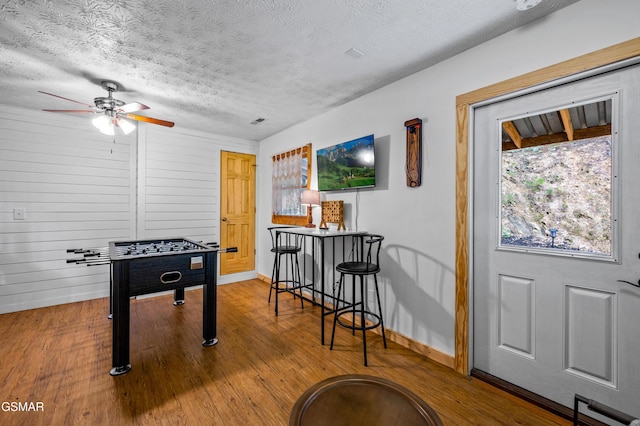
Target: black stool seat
(285, 249)
(358, 268)
(368, 319)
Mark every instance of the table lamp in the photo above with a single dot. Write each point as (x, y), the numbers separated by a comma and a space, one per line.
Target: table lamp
(310, 198)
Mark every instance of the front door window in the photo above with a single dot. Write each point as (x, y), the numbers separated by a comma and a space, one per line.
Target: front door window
(557, 181)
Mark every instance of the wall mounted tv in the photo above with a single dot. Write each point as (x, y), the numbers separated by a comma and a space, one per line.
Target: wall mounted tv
(348, 165)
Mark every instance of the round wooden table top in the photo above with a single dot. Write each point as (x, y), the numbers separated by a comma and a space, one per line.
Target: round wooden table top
(356, 399)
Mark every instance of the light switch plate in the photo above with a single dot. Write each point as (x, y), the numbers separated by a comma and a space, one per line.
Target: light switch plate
(19, 214)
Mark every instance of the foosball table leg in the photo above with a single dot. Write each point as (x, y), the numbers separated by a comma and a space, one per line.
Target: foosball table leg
(178, 297)
(120, 321)
(209, 301)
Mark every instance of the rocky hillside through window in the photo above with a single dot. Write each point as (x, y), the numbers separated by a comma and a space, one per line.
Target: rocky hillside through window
(564, 187)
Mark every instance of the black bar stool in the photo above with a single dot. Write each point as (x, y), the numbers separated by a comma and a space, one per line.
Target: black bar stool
(371, 266)
(289, 246)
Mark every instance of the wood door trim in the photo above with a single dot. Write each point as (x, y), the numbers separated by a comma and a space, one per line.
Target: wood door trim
(593, 60)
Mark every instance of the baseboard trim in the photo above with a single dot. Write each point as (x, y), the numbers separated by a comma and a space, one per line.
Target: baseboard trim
(429, 352)
(426, 350)
(35, 303)
(238, 276)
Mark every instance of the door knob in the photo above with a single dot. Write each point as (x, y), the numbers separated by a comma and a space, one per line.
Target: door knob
(224, 219)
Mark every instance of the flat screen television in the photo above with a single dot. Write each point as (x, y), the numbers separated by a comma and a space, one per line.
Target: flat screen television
(348, 165)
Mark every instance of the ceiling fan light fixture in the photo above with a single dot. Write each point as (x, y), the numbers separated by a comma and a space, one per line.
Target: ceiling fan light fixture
(125, 125)
(104, 123)
(107, 124)
(108, 130)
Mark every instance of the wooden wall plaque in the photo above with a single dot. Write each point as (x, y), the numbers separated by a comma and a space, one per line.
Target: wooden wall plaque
(414, 152)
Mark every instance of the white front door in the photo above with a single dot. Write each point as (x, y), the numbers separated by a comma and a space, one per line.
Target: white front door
(550, 315)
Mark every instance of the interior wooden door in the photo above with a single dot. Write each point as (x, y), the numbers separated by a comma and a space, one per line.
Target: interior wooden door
(560, 322)
(237, 211)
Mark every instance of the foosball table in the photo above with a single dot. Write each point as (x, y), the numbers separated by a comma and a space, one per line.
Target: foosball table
(151, 266)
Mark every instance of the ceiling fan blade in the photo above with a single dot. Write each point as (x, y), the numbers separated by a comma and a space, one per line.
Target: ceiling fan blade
(132, 107)
(149, 120)
(72, 110)
(66, 99)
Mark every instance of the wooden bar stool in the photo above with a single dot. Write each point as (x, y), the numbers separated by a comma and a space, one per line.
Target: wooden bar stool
(287, 246)
(358, 308)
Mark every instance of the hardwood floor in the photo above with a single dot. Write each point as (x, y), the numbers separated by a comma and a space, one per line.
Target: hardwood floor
(61, 356)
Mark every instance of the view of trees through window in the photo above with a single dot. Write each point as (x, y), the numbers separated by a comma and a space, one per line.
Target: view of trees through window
(558, 196)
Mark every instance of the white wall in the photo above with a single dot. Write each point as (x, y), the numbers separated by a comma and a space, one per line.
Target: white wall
(80, 189)
(419, 224)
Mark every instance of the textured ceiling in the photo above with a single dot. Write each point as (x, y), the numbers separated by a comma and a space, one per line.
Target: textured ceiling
(217, 65)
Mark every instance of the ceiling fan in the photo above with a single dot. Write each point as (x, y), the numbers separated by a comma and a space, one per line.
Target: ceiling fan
(113, 112)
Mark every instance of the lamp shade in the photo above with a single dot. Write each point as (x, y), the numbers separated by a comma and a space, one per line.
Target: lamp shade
(311, 197)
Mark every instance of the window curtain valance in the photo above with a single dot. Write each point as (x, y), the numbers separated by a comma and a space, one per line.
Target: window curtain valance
(290, 177)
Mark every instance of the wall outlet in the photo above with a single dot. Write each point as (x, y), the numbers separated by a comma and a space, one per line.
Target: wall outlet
(19, 214)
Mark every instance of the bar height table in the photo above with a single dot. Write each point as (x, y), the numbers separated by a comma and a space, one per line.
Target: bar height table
(318, 238)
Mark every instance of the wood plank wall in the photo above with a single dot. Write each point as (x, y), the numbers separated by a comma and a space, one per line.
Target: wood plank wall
(75, 185)
(80, 189)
